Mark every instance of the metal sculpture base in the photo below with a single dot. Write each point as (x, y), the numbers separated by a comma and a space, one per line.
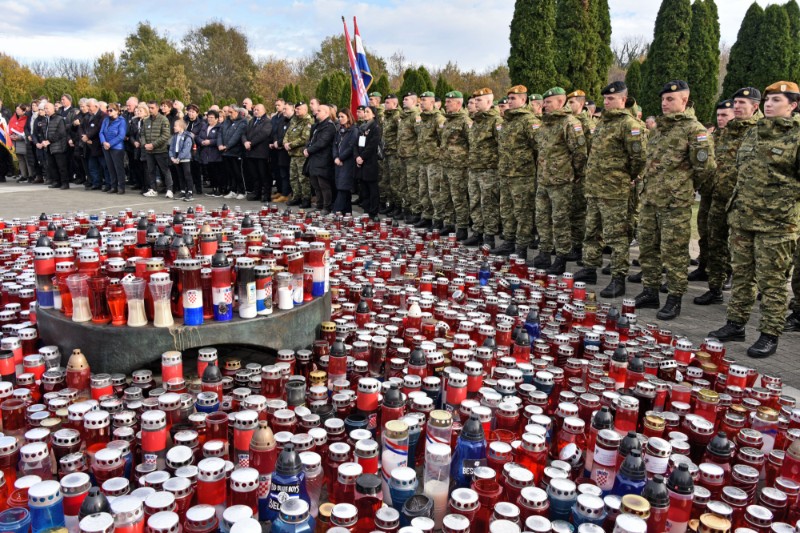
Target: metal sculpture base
(124, 349)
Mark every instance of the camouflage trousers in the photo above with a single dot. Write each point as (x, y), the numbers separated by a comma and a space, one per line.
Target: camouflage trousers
(718, 263)
(408, 184)
(760, 262)
(486, 214)
(664, 242)
(607, 223)
(453, 197)
(578, 215)
(633, 211)
(383, 181)
(702, 225)
(516, 209)
(301, 185)
(430, 181)
(392, 173)
(553, 210)
(794, 305)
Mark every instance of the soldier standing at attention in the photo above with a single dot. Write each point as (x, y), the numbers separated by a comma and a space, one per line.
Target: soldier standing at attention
(576, 100)
(680, 160)
(562, 154)
(516, 169)
(535, 101)
(616, 160)
(454, 140)
(483, 156)
(428, 128)
(294, 142)
(733, 122)
(383, 172)
(392, 168)
(409, 164)
(763, 217)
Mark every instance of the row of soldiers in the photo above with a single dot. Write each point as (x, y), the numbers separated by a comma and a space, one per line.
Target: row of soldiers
(545, 166)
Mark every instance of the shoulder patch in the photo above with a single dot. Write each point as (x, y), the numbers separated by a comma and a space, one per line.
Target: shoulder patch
(535, 126)
(441, 126)
(702, 137)
(777, 151)
(636, 131)
(419, 118)
(577, 127)
(702, 156)
(499, 127)
(581, 140)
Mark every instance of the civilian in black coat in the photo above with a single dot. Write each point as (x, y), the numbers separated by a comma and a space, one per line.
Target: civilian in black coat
(278, 133)
(345, 160)
(256, 139)
(94, 148)
(193, 125)
(369, 140)
(276, 121)
(54, 142)
(319, 152)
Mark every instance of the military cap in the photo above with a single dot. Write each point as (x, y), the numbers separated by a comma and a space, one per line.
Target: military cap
(388, 96)
(747, 92)
(590, 103)
(535, 97)
(298, 104)
(412, 93)
(376, 94)
(428, 94)
(614, 87)
(482, 92)
(674, 86)
(192, 106)
(782, 87)
(725, 104)
(576, 94)
(454, 94)
(503, 100)
(554, 91)
(517, 89)
(362, 107)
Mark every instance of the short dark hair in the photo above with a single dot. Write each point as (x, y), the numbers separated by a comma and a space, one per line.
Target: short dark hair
(67, 96)
(152, 102)
(166, 102)
(213, 112)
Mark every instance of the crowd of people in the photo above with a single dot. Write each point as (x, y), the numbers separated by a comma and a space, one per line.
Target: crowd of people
(551, 171)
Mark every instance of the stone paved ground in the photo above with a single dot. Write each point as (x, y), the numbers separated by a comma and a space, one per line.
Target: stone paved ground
(24, 200)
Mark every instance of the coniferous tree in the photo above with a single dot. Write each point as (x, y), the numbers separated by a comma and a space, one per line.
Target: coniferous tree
(412, 83)
(442, 87)
(703, 60)
(601, 16)
(774, 54)
(532, 58)
(633, 78)
(743, 52)
(576, 47)
(425, 76)
(382, 86)
(793, 12)
(666, 58)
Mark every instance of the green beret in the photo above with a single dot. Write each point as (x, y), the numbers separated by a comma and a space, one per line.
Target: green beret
(428, 94)
(454, 94)
(375, 94)
(555, 91)
(535, 97)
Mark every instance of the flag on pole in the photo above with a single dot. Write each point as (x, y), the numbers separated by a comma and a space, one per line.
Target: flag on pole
(5, 136)
(358, 92)
(361, 57)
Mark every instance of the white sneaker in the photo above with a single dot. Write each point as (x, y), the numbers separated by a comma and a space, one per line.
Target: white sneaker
(230, 195)
(150, 194)
(169, 194)
(240, 197)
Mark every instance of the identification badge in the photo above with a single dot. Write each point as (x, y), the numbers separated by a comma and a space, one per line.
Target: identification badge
(362, 141)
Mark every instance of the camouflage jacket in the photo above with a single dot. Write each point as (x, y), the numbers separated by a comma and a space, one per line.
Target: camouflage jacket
(517, 143)
(726, 146)
(680, 159)
(617, 156)
(768, 185)
(484, 133)
(562, 148)
(454, 138)
(407, 133)
(589, 124)
(391, 124)
(428, 128)
(297, 134)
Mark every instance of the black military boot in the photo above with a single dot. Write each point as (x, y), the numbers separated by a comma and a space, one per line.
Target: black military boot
(476, 239)
(424, 223)
(648, 299)
(447, 229)
(664, 289)
(522, 252)
(728, 283)
(698, 274)
(586, 275)
(411, 218)
(763, 347)
(507, 248)
(559, 266)
(792, 322)
(534, 245)
(437, 224)
(671, 309)
(635, 278)
(461, 235)
(607, 270)
(306, 204)
(711, 296)
(615, 288)
(488, 240)
(542, 260)
(575, 254)
(730, 332)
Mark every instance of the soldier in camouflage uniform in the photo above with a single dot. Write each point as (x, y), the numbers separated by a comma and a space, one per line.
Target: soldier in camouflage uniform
(394, 178)
(680, 160)
(633, 198)
(484, 194)
(294, 142)
(576, 100)
(454, 141)
(409, 164)
(428, 127)
(562, 154)
(535, 101)
(763, 215)
(384, 186)
(617, 158)
(733, 122)
(793, 320)
(516, 169)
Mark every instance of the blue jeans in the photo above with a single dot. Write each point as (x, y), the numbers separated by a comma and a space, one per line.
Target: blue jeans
(95, 170)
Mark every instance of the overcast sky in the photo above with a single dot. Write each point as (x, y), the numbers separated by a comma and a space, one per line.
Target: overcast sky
(474, 33)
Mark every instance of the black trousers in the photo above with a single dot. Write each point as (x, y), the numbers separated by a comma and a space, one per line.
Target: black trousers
(184, 172)
(284, 184)
(323, 186)
(214, 171)
(371, 201)
(57, 168)
(197, 176)
(257, 176)
(233, 174)
(160, 161)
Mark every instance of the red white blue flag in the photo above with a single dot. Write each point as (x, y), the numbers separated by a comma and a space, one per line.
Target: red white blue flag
(358, 91)
(361, 57)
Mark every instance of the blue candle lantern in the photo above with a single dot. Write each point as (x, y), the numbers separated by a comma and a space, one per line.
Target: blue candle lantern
(402, 485)
(207, 402)
(46, 505)
(15, 520)
(563, 493)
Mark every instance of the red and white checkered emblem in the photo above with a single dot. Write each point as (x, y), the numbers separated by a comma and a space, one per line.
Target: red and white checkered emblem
(601, 476)
(263, 487)
(244, 460)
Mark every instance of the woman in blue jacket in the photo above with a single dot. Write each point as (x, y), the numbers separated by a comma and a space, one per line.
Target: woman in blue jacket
(345, 161)
(112, 137)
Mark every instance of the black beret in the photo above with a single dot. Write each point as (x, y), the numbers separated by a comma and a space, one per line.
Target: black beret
(410, 94)
(725, 104)
(614, 87)
(748, 92)
(362, 107)
(674, 86)
(390, 96)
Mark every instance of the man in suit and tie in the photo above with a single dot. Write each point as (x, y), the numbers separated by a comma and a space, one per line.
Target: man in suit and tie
(256, 155)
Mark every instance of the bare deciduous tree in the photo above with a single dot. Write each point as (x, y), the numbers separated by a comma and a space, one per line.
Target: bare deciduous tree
(629, 48)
